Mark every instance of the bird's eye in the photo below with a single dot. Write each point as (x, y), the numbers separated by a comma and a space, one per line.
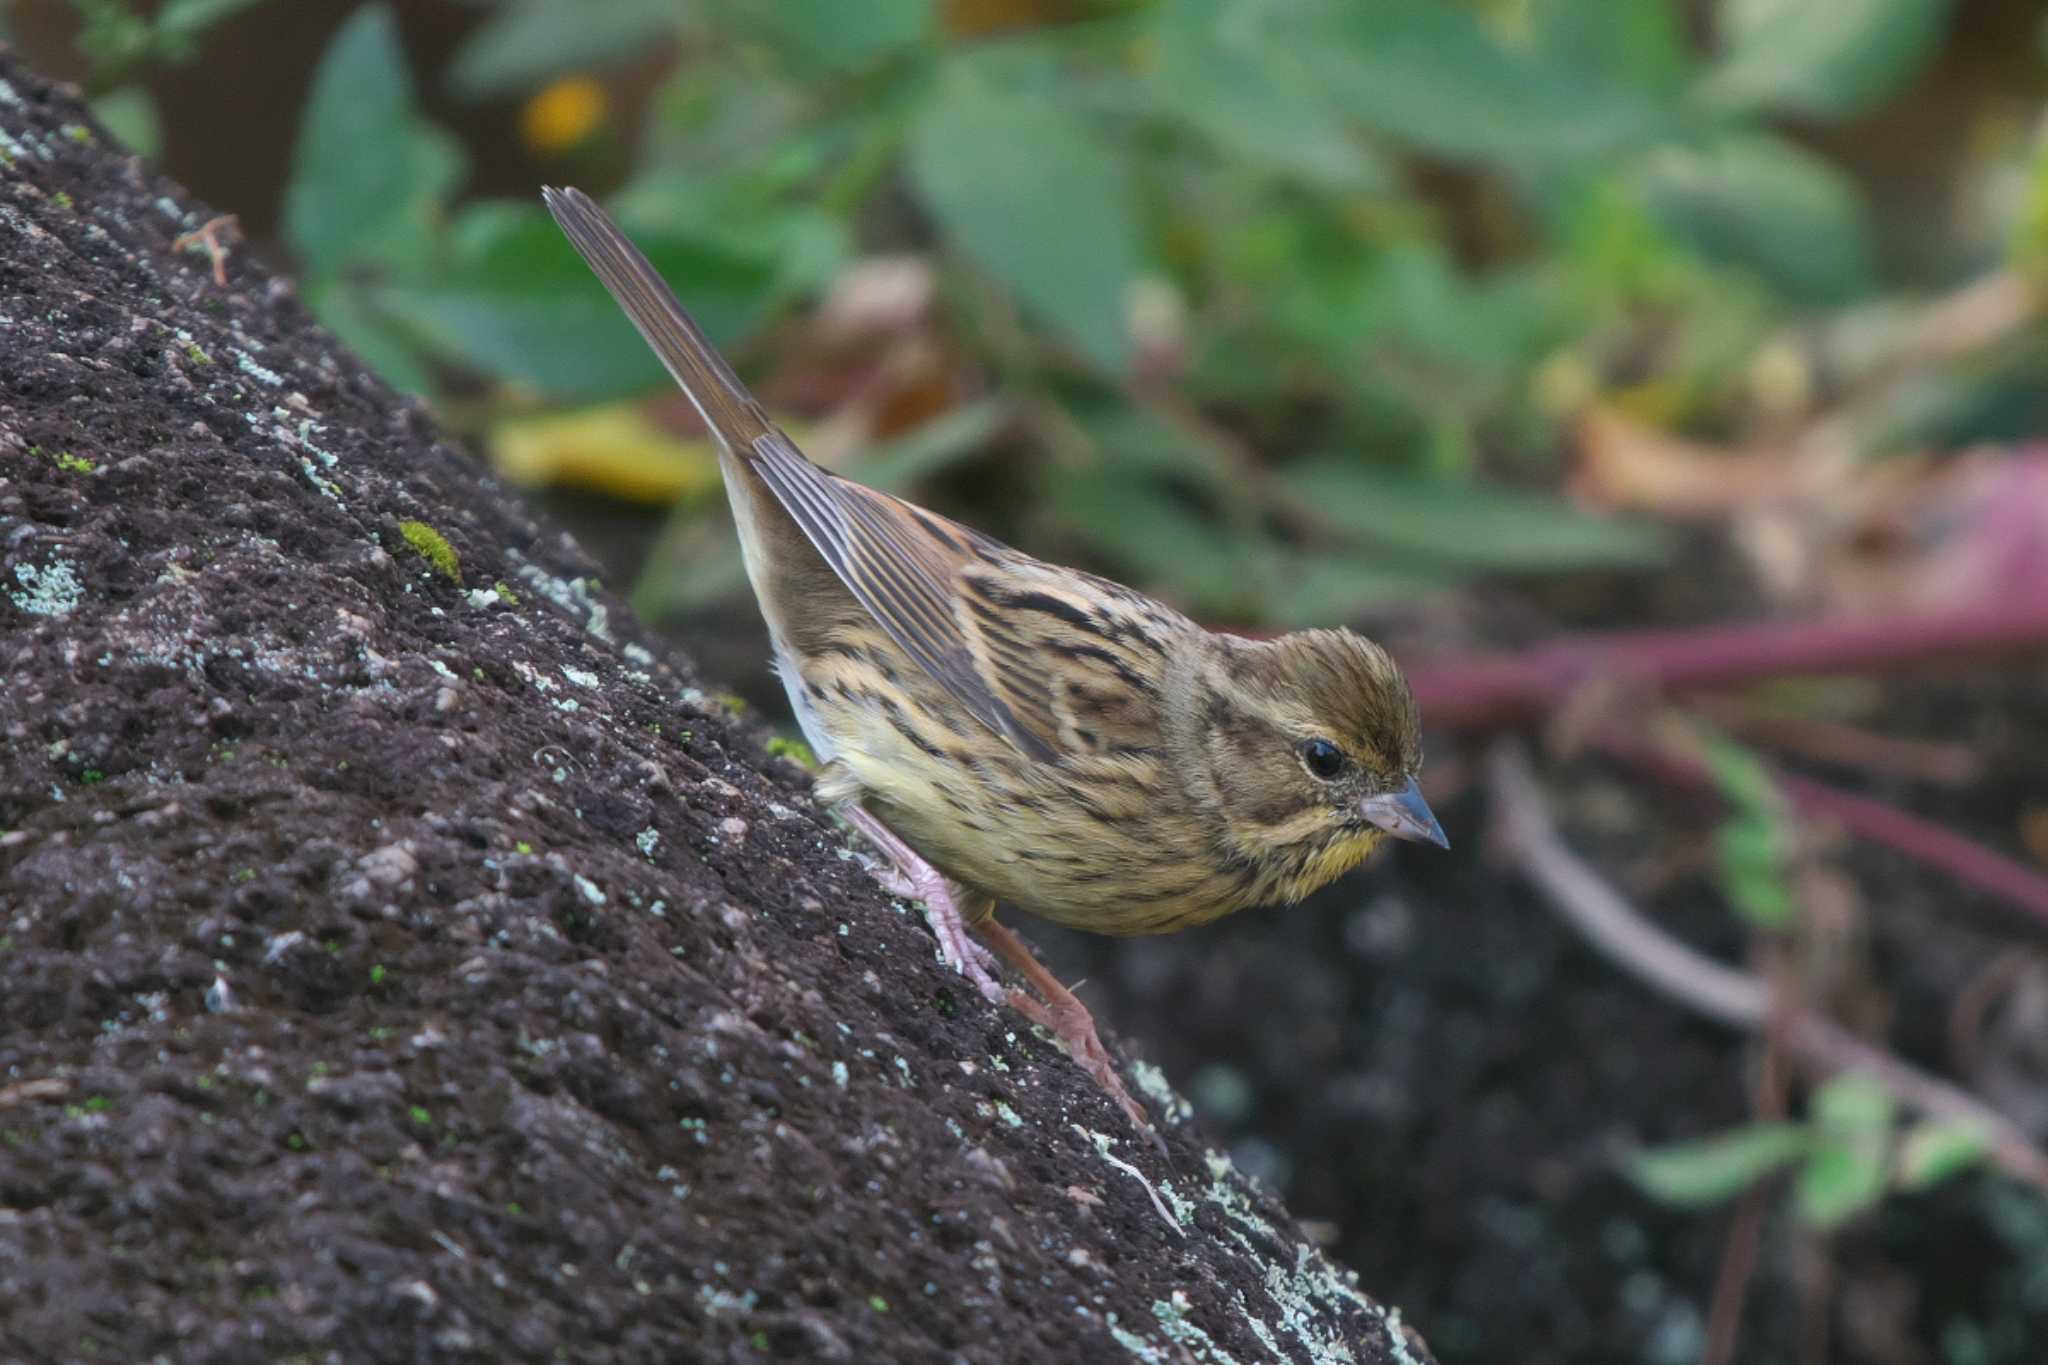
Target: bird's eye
(1323, 759)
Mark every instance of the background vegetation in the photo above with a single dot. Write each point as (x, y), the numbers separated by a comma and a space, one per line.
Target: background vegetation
(1467, 320)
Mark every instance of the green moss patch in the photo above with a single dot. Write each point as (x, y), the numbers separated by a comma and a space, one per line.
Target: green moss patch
(433, 547)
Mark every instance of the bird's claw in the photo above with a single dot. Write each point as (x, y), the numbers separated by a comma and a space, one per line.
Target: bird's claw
(1069, 1021)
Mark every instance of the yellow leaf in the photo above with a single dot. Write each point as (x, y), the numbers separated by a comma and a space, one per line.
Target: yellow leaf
(616, 449)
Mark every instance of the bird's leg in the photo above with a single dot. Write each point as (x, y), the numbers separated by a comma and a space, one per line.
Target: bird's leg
(1062, 1014)
(912, 878)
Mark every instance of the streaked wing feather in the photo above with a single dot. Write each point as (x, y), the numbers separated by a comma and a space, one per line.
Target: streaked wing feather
(901, 572)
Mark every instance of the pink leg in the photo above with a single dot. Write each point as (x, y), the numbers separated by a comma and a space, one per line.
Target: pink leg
(1066, 1018)
(1062, 1014)
(912, 878)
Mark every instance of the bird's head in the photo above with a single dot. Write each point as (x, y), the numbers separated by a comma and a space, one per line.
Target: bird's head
(1308, 746)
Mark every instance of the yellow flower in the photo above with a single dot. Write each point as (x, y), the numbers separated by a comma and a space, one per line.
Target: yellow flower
(562, 115)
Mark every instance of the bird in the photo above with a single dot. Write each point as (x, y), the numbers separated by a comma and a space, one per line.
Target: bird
(1003, 729)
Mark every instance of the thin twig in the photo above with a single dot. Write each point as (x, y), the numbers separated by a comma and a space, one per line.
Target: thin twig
(1816, 1298)
(1851, 746)
(1492, 690)
(1973, 1003)
(1616, 928)
(23, 1092)
(1960, 856)
(1732, 1276)
(1745, 1234)
(1606, 921)
(211, 236)
(1974, 316)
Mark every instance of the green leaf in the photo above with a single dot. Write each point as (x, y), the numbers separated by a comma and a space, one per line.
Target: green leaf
(1214, 70)
(831, 35)
(745, 213)
(187, 19)
(1745, 781)
(1753, 843)
(1322, 588)
(1841, 1178)
(115, 36)
(1846, 1172)
(1461, 524)
(1829, 59)
(350, 313)
(694, 564)
(1499, 325)
(1643, 46)
(518, 302)
(1140, 441)
(1155, 536)
(1039, 199)
(933, 446)
(526, 41)
(1752, 867)
(1430, 74)
(723, 115)
(1854, 1105)
(1936, 1149)
(1717, 1168)
(129, 113)
(368, 174)
(1762, 204)
(112, 36)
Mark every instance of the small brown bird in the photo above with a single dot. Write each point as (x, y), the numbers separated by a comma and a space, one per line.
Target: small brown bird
(1003, 729)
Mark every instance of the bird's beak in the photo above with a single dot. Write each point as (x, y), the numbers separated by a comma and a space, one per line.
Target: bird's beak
(1405, 815)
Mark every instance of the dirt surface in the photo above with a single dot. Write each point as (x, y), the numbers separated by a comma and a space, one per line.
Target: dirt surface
(402, 957)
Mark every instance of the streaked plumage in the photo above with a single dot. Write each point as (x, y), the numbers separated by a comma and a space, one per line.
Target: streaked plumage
(1041, 736)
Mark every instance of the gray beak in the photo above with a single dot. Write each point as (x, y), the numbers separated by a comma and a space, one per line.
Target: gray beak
(1405, 815)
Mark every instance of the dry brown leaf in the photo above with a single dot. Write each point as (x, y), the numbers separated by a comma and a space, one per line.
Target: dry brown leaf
(1624, 465)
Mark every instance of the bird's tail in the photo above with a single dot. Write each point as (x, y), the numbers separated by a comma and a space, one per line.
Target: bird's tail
(712, 388)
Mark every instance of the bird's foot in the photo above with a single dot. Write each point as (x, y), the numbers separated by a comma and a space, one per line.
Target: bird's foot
(1069, 1021)
(1061, 1013)
(912, 878)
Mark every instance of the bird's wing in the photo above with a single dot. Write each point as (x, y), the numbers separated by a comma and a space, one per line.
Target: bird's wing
(907, 567)
(903, 565)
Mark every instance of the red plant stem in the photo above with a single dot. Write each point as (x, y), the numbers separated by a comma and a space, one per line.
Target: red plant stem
(1488, 690)
(1968, 861)
(1732, 1279)
(1964, 859)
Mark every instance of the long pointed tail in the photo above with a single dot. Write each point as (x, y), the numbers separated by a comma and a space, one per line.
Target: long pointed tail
(709, 383)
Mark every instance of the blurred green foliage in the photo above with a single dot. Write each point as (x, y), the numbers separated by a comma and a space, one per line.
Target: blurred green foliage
(1846, 1155)
(1753, 842)
(1849, 1152)
(119, 38)
(118, 35)
(1385, 246)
